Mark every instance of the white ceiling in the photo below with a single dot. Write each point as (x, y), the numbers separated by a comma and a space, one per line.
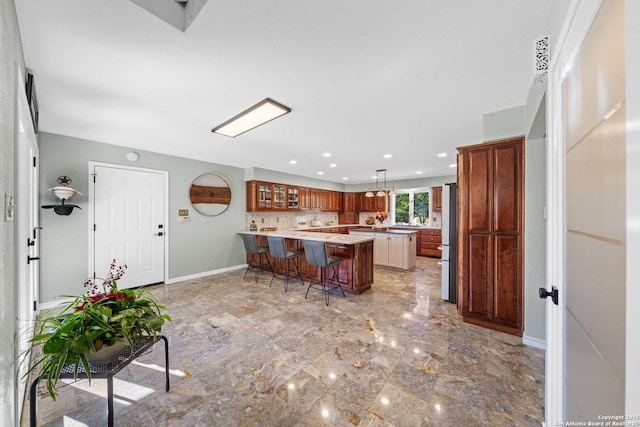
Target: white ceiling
(410, 78)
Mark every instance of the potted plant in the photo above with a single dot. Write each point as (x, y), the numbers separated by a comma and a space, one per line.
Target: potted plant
(99, 321)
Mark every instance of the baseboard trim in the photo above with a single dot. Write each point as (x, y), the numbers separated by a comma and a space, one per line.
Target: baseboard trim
(204, 274)
(63, 301)
(534, 342)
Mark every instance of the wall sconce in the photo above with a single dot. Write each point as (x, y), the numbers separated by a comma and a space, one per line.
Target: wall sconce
(63, 193)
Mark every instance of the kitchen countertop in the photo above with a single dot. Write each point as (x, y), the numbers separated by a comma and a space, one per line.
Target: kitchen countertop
(373, 230)
(408, 227)
(346, 239)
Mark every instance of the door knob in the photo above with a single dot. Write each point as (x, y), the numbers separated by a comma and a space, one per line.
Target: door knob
(553, 294)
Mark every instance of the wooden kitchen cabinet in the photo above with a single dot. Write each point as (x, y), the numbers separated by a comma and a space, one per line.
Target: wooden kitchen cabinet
(293, 198)
(436, 195)
(350, 201)
(348, 217)
(266, 196)
(304, 198)
(371, 204)
(318, 199)
(430, 242)
(490, 235)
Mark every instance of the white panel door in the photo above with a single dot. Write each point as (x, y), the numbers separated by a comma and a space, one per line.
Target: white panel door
(129, 215)
(27, 230)
(593, 94)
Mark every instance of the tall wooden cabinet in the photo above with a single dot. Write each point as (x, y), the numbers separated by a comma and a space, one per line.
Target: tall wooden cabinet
(490, 234)
(436, 203)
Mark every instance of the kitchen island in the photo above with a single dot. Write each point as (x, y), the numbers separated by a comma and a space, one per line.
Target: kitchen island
(355, 273)
(392, 248)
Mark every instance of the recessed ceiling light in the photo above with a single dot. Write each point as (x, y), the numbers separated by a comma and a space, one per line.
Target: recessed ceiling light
(387, 156)
(332, 165)
(442, 154)
(453, 165)
(326, 154)
(344, 178)
(320, 173)
(419, 173)
(374, 177)
(259, 114)
(293, 162)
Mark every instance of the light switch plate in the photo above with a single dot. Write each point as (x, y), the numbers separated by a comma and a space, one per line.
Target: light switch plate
(9, 207)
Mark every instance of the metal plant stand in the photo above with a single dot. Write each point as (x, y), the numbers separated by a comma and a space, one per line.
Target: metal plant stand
(107, 370)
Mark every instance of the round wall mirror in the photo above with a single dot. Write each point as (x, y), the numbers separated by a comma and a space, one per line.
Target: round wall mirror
(210, 194)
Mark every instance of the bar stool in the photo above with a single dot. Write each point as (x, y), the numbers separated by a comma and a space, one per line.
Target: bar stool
(251, 246)
(316, 254)
(278, 250)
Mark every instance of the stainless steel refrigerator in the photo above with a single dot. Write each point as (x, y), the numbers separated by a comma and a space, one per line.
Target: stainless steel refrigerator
(449, 242)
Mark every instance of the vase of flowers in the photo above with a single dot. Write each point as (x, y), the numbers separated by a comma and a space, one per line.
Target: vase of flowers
(104, 320)
(381, 216)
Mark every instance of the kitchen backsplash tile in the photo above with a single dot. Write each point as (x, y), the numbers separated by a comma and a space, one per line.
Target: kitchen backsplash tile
(288, 220)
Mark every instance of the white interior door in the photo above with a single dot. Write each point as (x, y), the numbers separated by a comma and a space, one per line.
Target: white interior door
(586, 332)
(129, 223)
(27, 236)
(595, 265)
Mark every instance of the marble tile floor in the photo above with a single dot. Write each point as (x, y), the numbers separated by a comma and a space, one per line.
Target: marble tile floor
(245, 354)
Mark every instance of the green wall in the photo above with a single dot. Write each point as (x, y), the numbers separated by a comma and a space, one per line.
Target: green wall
(519, 121)
(11, 59)
(203, 245)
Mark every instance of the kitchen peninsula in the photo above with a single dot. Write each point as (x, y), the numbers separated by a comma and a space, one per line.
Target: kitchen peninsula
(355, 274)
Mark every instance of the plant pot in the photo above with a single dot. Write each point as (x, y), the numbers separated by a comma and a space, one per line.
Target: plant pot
(106, 354)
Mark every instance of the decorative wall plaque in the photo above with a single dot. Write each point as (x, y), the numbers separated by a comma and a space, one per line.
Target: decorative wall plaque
(210, 194)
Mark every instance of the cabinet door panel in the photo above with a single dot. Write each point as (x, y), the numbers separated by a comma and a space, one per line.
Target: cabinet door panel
(479, 190)
(479, 292)
(507, 188)
(506, 307)
(396, 251)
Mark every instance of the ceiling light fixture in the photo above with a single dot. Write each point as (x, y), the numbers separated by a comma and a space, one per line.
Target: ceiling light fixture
(332, 165)
(387, 156)
(261, 113)
(293, 162)
(453, 165)
(326, 154)
(442, 155)
(381, 191)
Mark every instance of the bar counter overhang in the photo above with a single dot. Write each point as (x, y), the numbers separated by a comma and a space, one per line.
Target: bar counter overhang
(355, 274)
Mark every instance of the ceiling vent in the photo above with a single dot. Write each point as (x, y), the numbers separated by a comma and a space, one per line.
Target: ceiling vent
(179, 13)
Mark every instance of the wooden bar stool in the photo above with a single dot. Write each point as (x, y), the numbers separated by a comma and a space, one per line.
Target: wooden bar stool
(316, 254)
(279, 251)
(251, 246)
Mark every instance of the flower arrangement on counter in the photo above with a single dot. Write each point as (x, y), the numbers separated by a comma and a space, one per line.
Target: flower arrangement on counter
(381, 216)
(104, 317)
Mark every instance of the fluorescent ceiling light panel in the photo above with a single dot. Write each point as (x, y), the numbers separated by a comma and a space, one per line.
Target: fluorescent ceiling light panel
(261, 113)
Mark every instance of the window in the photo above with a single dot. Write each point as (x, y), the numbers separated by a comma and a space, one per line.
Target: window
(421, 208)
(402, 208)
(411, 208)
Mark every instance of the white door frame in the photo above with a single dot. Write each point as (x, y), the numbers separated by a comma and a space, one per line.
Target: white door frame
(577, 23)
(91, 216)
(26, 219)
(632, 95)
